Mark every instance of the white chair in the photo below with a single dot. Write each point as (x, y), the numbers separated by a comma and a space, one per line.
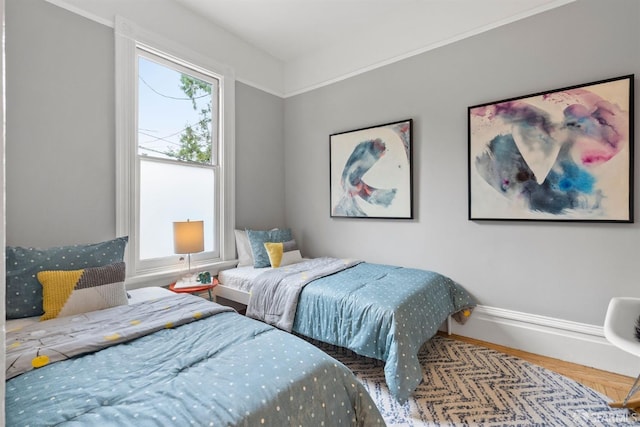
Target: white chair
(619, 330)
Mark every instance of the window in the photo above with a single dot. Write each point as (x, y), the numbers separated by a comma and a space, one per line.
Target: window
(174, 130)
(177, 142)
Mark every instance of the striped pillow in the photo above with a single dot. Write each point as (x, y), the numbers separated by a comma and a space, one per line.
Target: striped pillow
(70, 292)
(282, 253)
(24, 292)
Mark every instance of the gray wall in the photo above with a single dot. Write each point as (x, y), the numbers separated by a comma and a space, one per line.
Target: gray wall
(60, 148)
(259, 159)
(60, 153)
(568, 270)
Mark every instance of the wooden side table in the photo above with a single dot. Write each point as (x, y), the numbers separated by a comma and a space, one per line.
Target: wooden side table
(196, 289)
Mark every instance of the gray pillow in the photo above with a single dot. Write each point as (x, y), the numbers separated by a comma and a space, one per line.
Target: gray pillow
(24, 291)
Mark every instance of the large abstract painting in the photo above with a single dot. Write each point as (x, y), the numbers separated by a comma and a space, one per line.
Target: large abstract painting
(561, 155)
(370, 171)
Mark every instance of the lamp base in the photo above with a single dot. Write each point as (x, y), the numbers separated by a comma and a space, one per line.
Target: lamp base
(188, 281)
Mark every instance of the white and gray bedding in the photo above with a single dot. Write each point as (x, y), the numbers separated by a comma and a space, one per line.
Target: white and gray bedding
(240, 278)
(274, 293)
(218, 368)
(62, 338)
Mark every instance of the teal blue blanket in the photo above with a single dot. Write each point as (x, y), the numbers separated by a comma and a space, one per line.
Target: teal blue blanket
(223, 370)
(383, 312)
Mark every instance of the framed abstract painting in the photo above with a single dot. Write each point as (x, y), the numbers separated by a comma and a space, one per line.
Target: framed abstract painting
(560, 155)
(370, 172)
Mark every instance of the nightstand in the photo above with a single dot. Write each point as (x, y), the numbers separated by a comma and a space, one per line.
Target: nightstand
(196, 289)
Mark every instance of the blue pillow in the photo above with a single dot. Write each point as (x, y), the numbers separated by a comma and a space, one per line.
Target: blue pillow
(257, 239)
(24, 291)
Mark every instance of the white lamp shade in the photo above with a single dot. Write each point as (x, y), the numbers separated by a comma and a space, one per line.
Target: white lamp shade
(188, 237)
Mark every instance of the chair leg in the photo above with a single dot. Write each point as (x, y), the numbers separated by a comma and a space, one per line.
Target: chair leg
(628, 402)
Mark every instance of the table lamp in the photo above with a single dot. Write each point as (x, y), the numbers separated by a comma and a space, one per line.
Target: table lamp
(188, 238)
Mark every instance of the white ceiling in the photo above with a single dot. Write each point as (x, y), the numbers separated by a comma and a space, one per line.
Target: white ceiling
(292, 29)
(287, 47)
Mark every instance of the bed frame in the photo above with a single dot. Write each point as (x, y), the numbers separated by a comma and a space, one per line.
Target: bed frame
(231, 294)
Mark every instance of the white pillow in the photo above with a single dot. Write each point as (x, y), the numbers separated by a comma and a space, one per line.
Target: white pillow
(245, 257)
(291, 257)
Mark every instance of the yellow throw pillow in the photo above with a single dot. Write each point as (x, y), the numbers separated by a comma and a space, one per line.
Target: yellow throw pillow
(71, 292)
(274, 251)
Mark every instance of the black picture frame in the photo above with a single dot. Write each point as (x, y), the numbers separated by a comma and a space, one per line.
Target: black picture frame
(370, 172)
(559, 155)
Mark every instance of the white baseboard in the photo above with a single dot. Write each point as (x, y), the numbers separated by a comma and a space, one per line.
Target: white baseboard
(561, 339)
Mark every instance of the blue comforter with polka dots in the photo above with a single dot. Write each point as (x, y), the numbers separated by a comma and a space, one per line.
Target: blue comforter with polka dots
(223, 370)
(383, 312)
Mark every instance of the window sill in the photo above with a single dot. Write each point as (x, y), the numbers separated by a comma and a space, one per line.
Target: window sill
(165, 278)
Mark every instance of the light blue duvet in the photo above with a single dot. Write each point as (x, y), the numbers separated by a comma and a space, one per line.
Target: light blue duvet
(381, 311)
(223, 370)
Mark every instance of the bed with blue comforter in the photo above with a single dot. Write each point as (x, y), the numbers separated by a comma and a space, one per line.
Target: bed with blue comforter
(380, 311)
(175, 361)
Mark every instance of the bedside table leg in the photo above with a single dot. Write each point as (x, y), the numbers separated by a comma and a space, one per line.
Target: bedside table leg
(210, 296)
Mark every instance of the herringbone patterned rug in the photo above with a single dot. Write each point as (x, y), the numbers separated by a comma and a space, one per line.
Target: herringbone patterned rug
(468, 385)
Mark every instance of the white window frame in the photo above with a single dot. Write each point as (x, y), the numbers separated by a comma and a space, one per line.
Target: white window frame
(128, 38)
(151, 264)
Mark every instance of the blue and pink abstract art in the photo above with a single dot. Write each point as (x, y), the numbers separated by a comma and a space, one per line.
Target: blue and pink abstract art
(371, 172)
(563, 155)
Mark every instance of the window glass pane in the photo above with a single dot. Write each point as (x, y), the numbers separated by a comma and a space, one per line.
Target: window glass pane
(173, 192)
(174, 113)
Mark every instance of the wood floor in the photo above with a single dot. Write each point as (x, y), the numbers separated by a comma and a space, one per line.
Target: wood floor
(612, 385)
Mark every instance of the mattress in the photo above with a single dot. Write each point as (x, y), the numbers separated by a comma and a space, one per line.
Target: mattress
(240, 278)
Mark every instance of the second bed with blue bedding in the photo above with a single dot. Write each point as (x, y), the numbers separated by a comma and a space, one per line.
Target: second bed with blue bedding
(380, 311)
